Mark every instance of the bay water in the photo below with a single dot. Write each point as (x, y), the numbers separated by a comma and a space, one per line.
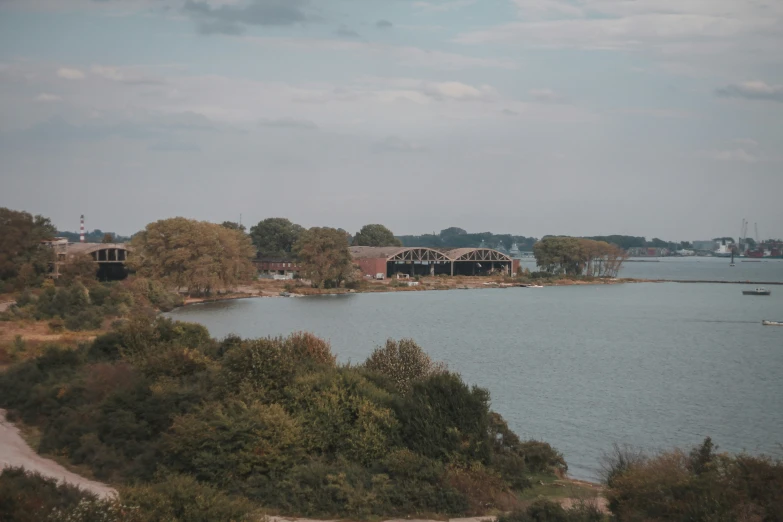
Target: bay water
(654, 365)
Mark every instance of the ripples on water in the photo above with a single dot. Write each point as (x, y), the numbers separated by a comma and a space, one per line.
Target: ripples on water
(654, 365)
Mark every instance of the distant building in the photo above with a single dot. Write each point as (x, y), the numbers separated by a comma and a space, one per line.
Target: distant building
(277, 267)
(704, 245)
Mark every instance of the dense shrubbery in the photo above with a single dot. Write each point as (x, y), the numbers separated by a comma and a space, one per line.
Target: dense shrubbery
(30, 497)
(547, 511)
(700, 485)
(78, 307)
(275, 421)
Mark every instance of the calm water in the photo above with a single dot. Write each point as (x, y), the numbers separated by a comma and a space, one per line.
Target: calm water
(697, 268)
(654, 365)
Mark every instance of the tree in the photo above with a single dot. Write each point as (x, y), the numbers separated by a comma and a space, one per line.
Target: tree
(576, 256)
(324, 256)
(275, 237)
(404, 362)
(453, 231)
(376, 236)
(233, 225)
(21, 234)
(81, 268)
(196, 255)
(108, 237)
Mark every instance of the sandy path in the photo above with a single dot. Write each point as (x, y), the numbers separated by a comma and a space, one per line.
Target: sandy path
(6, 305)
(15, 452)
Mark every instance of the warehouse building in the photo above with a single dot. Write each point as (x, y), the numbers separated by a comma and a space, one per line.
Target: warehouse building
(388, 261)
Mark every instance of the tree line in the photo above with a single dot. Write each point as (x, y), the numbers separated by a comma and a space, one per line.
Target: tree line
(455, 237)
(573, 256)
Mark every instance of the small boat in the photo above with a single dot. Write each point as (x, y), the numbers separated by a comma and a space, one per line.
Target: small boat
(772, 323)
(757, 291)
(536, 286)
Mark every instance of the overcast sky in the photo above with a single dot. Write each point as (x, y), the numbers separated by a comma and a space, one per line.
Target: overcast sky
(583, 117)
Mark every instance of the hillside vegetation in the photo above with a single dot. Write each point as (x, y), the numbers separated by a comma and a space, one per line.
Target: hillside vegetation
(274, 422)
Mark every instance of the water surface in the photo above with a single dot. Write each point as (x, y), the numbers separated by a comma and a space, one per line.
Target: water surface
(653, 364)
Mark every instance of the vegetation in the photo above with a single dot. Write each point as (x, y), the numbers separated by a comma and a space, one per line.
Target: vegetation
(543, 510)
(700, 485)
(94, 236)
(30, 497)
(575, 256)
(275, 237)
(198, 256)
(455, 237)
(22, 261)
(376, 236)
(232, 225)
(324, 256)
(180, 418)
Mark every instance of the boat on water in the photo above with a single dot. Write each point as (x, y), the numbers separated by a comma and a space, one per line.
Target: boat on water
(757, 291)
(772, 323)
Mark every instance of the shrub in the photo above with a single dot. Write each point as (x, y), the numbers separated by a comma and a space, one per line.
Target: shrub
(230, 445)
(56, 325)
(443, 418)
(179, 498)
(547, 511)
(30, 497)
(85, 320)
(404, 362)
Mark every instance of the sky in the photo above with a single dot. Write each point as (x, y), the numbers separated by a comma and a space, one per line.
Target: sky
(657, 118)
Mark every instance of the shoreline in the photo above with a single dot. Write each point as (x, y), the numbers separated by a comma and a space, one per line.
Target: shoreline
(452, 285)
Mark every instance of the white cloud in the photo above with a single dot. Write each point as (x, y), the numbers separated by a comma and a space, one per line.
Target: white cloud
(545, 96)
(443, 6)
(397, 144)
(127, 75)
(70, 74)
(408, 56)
(756, 90)
(732, 155)
(46, 97)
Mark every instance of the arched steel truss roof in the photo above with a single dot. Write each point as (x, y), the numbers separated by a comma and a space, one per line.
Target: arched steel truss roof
(419, 254)
(477, 254)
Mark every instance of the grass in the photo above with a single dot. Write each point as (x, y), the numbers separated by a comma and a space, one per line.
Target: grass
(552, 487)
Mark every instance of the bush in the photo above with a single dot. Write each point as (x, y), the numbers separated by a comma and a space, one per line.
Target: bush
(443, 418)
(179, 498)
(701, 485)
(404, 362)
(30, 497)
(85, 320)
(548, 511)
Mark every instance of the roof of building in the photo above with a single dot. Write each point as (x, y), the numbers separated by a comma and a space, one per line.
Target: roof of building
(476, 254)
(367, 252)
(89, 248)
(457, 254)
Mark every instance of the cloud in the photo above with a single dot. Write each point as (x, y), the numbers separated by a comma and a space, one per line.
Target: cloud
(70, 74)
(757, 91)
(384, 24)
(127, 76)
(287, 123)
(174, 146)
(730, 155)
(232, 19)
(397, 144)
(346, 32)
(403, 55)
(545, 96)
(509, 112)
(443, 5)
(46, 97)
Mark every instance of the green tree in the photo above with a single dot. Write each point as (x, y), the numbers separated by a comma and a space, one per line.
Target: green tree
(108, 237)
(233, 225)
(21, 234)
(376, 236)
(196, 255)
(80, 267)
(404, 362)
(324, 256)
(275, 237)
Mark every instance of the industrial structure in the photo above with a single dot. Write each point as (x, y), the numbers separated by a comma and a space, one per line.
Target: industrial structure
(388, 261)
(110, 257)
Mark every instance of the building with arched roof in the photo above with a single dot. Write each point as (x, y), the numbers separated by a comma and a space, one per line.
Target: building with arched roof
(430, 261)
(110, 257)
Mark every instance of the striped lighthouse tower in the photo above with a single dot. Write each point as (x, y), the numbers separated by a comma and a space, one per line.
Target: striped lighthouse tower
(81, 230)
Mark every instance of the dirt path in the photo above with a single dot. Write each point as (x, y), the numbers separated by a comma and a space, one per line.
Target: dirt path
(6, 305)
(15, 452)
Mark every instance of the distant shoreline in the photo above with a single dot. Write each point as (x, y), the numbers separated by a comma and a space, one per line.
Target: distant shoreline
(495, 285)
